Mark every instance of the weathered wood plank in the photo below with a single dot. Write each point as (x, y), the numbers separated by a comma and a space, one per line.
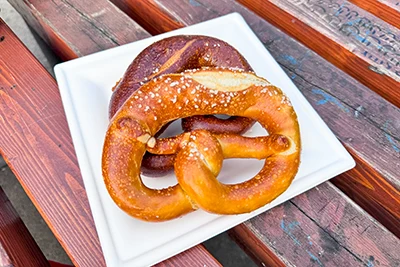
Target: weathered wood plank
(354, 40)
(17, 247)
(383, 9)
(195, 256)
(395, 4)
(373, 193)
(327, 99)
(365, 123)
(37, 146)
(321, 228)
(136, 9)
(260, 252)
(76, 28)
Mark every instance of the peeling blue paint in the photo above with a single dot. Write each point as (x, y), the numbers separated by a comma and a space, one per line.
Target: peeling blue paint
(390, 139)
(309, 239)
(329, 98)
(293, 76)
(287, 230)
(371, 261)
(340, 9)
(194, 3)
(315, 258)
(291, 59)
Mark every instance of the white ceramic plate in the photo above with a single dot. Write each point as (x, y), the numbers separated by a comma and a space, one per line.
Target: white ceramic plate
(85, 85)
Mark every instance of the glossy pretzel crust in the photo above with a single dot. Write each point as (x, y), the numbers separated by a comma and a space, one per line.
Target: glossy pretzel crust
(200, 153)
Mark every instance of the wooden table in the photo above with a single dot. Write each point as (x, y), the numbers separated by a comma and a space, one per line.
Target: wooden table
(344, 56)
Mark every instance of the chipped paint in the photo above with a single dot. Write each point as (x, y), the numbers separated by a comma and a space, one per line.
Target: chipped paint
(309, 239)
(371, 261)
(329, 98)
(390, 139)
(358, 110)
(291, 59)
(314, 258)
(194, 3)
(288, 230)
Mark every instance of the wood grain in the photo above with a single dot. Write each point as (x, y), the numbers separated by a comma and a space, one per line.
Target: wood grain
(395, 4)
(261, 253)
(321, 228)
(17, 247)
(136, 9)
(75, 28)
(325, 96)
(365, 123)
(195, 256)
(382, 9)
(349, 37)
(373, 194)
(37, 146)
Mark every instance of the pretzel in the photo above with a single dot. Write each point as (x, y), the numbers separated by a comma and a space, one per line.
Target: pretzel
(199, 154)
(174, 55)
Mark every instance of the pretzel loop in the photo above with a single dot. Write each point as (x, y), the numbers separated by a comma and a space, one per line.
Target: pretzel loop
(200, 153)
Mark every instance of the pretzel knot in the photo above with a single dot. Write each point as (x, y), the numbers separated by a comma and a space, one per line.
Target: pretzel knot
(199, 154)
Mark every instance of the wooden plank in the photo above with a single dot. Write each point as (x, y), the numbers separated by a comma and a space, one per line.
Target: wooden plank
(194, 11)
(260, 252)
(37, 146)
(383, 9)
(365, 123)
(321, 228)
(395, 4)
(195, 256)
(136, 9)
(373, 193)
(76, 28)
(344, 34)
(17, 247)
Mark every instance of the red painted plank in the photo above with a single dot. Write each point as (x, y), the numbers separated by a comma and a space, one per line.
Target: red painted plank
(382, 199)
(195, 256)
(76, 28)
(194, 10)
(365, 123)
(322, 228)
(355, 41)
(383, 9)
(395, 4)
(37, 145)
(256, 248)
(139, 10)
(17, 247)
(38, 148)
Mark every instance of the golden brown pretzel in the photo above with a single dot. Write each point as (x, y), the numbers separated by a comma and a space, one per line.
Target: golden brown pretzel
(200, 153)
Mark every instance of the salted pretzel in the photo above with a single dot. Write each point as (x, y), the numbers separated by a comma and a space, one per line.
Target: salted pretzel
(199, 154)
(174, 55)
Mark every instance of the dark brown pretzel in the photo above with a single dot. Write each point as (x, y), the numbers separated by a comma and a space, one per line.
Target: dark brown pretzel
(174, 55)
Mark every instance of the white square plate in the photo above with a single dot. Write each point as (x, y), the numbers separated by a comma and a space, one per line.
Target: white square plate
(85, 86)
